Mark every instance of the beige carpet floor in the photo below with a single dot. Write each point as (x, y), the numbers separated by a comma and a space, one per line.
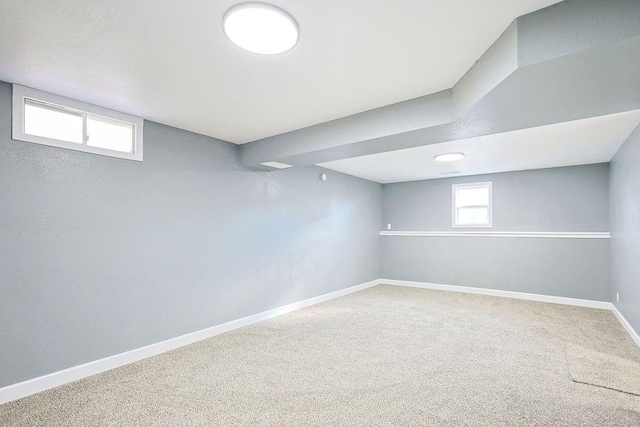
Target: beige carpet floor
(384, 356)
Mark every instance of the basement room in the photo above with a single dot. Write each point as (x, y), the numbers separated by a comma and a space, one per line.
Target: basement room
(320, 213)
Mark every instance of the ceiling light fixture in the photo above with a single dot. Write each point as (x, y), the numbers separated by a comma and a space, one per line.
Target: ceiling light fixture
(261, 28)
(449, 157)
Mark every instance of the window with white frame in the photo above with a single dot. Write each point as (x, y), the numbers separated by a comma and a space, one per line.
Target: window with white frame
(48, 119)
(472, 205)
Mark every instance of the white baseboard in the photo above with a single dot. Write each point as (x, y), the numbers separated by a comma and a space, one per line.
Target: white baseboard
(55, 379)
(506, 294)
(45, 382)
(521, 295)
(625, 324)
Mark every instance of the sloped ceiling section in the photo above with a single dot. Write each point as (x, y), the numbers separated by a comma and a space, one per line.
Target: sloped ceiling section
(575, 60)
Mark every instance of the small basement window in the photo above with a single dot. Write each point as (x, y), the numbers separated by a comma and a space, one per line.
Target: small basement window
(472, 205)
(43, 118)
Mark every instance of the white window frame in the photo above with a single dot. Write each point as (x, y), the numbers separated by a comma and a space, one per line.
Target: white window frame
(454, 219)
(20, 93)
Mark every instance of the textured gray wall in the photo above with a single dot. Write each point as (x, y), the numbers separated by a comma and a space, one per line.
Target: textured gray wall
(560, 267)
(625, 228)
(559, 199)
(575, 25)
(101, 255)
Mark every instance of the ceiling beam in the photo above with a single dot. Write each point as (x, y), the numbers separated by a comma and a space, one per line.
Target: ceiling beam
(572, 60)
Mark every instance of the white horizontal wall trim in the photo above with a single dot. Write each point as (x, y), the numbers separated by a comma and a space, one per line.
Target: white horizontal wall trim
(626, 325)
(55, 379)
(518, 234)
(505, 294)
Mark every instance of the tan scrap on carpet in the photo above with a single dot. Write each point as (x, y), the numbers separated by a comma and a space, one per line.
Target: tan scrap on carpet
(603, 370)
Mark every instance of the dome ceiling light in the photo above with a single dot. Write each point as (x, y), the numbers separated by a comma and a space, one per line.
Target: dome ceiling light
(449, 157)
(261, 28)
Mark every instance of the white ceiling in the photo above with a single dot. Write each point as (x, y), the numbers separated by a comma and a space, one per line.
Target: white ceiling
(580, 142)
(168, 61)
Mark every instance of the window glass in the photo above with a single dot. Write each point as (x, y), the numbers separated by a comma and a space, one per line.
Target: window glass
(52, 122)
(110, 134)
(473, 197)
(473, 216)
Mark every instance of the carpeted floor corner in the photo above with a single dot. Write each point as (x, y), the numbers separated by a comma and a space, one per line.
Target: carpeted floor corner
(387, 355)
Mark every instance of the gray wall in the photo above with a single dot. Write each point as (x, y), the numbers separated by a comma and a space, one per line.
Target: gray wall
(101, 255)
(575, 25)
(559, 199)
(625, 228)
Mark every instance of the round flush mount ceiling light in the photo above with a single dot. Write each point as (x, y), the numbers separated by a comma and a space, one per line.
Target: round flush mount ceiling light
(449, 157)
(261, 28)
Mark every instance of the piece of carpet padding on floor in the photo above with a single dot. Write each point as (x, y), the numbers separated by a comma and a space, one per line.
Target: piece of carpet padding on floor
(603, 370)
